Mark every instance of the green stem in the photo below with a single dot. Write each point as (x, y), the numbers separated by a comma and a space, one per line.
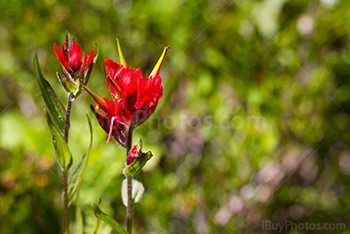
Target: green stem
(129, 184)
(68, 112)
(65, 202)
(65, 173)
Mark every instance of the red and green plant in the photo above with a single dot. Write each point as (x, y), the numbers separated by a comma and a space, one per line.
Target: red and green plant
(134, 99)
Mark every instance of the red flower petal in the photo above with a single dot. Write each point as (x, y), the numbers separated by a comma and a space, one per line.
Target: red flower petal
(91, 56)
(75, 57)
(64, 49)
(110, 130)
(120, 131)
(61, 58)
(84, 65)
(114, 69)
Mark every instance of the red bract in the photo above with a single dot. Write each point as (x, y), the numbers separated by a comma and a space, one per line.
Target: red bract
(135, 97)
(140, 94)
(71, 58)
(112, 120)
(136, 160)
(134, 153)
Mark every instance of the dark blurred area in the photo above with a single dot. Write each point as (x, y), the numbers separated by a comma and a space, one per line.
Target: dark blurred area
(253, 125)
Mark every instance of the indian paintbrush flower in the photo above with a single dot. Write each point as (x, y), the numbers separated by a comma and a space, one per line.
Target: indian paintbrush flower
(71, 58)
(75, 64)
(134, 97)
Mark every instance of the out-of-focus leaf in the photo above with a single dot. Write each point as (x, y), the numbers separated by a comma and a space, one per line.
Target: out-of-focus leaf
(53, 104)
(98, 222)
(79, 224)
(137, 165)
(108, 219)
(63, 154)
(76, 176)
(137, 191)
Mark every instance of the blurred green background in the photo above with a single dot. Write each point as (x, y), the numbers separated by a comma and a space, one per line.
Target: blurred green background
(253, 125)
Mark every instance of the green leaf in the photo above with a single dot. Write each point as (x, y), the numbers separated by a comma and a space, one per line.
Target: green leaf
(77, 92)
(138, 164)
(108, 219)
(91, 66)
(53, 104)
(98, 221)
(137, 191)
(68, 84)
(79, 223)
(63, 154)
(76, 176)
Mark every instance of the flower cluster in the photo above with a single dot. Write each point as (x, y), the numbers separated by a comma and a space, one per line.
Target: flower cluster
(76, 65)
(134, 97)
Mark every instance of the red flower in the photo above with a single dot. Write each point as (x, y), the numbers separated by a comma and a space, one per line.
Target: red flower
(140, 94)
(71, 58)
(135, 97)
(112, 120)
(134, 153)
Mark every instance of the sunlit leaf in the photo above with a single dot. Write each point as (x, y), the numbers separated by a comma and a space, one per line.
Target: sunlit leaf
(63, 154)
(53, 104)
(138, 164)
(108, 219)
(137, 191)
(76, 176)
(68, 84)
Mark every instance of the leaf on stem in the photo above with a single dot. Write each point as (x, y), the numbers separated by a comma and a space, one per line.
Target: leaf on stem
(76, 176)
(138, 164)
(63, 154)
(67, 82)
(137, 191)
(79, 223)
(53, 104)
(108, 219)
(91, 66)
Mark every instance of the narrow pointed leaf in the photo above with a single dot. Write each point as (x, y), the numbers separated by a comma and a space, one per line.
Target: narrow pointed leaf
(76, 176)
(79, 223)
(139, 142)
(102, 104)
(137, 191)
(91, 66)
(156, 68)
(68, 40)
(53, 104)
(121, 56)
(63, 154)
(108, 219)
(98, 221)
(138, 164)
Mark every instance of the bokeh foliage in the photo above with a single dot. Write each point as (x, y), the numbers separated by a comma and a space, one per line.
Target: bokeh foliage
(253, 124)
